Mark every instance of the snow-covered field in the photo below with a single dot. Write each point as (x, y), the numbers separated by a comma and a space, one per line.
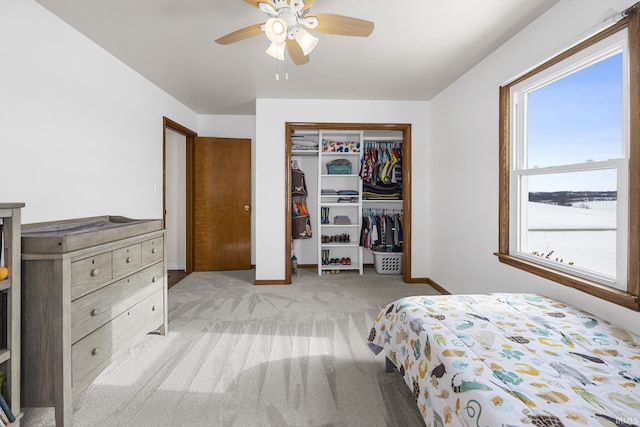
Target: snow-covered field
(584, 235)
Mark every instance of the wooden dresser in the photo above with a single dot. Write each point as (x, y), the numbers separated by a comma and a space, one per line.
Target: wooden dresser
(91, 288)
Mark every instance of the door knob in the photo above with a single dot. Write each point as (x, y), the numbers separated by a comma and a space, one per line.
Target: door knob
(247, 207)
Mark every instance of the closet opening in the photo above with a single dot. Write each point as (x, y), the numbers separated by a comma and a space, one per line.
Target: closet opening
(329, 157)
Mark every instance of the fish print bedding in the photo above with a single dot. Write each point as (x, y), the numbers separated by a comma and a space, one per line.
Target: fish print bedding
(503, 360)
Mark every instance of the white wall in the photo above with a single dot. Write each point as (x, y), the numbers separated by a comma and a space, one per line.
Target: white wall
(463, 178)
(81, 133)
(176, 200)
(269, 208)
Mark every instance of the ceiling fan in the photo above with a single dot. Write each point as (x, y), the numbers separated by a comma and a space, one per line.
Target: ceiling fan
(286, 28)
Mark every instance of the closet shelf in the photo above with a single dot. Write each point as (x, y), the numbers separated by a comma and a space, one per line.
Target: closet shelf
(340, 245)
(334, 204)
(5, 355)
(304, 152)
(383, 138)
(352, 266)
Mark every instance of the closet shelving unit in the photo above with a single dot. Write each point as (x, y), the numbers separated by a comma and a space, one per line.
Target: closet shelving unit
(396, 138)
(307, 160)
(330, 206)
(313, 163)
(10, 217)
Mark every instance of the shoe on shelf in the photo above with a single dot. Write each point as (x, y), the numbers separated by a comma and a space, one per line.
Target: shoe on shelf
(348, 261)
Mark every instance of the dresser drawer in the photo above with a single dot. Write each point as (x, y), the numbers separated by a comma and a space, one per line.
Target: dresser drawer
(89, 274)
(126, 260)
(93, 353)
(152, 250)
(94, 310)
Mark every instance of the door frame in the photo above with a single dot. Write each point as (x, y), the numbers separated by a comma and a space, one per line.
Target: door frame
(190, 144)
(406, 182)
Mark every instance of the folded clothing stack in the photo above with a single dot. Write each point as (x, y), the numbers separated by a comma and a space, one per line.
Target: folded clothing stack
(341, 220)
(303, 144)
(382, 191)
(348, 200)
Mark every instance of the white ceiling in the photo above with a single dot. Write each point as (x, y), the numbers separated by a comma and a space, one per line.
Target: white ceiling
(418, 47)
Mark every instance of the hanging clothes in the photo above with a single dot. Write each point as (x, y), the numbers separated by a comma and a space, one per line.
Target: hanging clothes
(381, 228)
(381, 171)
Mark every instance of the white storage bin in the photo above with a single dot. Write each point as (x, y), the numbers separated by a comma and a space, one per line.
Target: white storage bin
(387, 262)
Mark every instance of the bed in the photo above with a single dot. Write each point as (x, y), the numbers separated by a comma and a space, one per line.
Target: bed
(510, 360)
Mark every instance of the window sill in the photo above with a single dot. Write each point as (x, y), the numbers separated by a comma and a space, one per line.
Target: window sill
(598, 290)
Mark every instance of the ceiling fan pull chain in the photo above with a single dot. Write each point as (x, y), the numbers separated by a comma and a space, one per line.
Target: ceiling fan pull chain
(286, 74)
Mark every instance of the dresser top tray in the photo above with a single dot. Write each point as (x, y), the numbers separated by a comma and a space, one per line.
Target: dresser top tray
(57, 237)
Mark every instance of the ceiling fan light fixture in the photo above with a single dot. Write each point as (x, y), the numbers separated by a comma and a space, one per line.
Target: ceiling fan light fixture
(276, 50)
(275, 30)
(306, 41)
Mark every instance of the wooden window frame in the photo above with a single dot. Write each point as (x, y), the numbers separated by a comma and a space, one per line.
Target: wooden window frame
(629, 299)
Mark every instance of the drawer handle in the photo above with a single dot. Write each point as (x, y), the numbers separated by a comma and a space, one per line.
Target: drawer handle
(94, 312)
(95, 272)
(153, 280)
(153, 308)
(128, 260)
(94, 351)
(154, 250)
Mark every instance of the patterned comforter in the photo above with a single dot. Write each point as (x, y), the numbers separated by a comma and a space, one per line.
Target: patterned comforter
(503, 360)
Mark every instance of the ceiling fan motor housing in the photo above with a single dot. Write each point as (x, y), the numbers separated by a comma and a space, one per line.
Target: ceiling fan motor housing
(290, 13)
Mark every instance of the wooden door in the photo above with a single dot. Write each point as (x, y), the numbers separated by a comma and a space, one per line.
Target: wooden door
(222, 204)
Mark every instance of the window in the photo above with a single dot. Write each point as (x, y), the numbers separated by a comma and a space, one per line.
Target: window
(569, 167)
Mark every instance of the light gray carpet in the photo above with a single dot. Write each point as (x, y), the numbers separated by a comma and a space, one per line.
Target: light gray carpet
(244, 355)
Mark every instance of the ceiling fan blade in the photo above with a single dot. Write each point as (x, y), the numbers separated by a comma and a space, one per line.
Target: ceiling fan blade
(295, 52)
(342, 25)
(254, 3)
(241, 34)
